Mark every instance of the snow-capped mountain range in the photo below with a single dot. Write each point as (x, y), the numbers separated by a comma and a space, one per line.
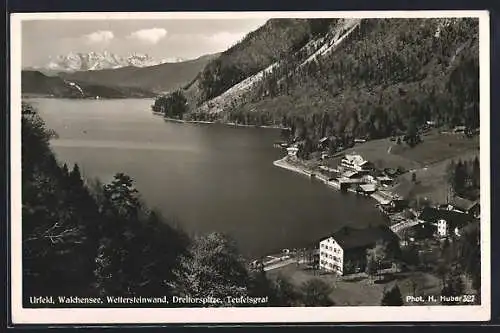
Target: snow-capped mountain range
(77, 61)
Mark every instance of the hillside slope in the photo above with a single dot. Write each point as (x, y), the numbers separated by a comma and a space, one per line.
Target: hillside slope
(315, 48)
(371, 78)
(37, 83)
(160, 78)
(276, 40)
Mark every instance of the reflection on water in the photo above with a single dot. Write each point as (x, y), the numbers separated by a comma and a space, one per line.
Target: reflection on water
(120, 145)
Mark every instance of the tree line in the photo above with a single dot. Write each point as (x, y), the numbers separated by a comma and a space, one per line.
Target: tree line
(464, 178)
(173, 105)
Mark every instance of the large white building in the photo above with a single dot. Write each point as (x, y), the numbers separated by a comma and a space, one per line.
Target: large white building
(355, 162)
(442, 228)
(344, 252)
(331, 256)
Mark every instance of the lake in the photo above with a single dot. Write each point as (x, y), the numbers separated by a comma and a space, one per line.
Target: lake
(205, 177)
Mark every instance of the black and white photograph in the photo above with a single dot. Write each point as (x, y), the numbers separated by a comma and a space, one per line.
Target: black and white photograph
(250, 167)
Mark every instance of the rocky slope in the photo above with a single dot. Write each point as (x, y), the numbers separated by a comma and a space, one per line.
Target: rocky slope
(315, 48)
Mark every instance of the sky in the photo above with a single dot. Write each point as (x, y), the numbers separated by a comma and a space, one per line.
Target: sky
(161, 39)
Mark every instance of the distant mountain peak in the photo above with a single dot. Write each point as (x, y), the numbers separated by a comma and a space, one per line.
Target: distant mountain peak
(80, 61)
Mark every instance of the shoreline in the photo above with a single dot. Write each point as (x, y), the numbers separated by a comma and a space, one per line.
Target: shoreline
(394, 224)
(217, 122)
(284, 164)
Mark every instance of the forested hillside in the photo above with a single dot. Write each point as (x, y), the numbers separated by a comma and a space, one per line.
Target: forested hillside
(37, 83)
(385, 77)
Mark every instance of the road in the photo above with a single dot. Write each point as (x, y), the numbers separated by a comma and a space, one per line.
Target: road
(280, 264)
(403, 225)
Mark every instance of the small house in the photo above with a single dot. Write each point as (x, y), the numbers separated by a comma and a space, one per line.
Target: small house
(446, 221)
(323, 142)
(326, 141)
(367, 188)
(292, 151)
(351, 174)
(419, 231)
(459, 129)
(384, 180)
(465, 206)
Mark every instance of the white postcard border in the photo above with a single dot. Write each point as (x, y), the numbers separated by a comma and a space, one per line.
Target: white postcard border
(439, 313)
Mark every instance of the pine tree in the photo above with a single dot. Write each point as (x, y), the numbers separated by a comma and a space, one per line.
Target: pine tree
(460, 177)
(392, 296)
(213, 267)
(453, 286)
(476, 173)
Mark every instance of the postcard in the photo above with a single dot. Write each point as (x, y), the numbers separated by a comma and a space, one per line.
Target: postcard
(250, 167)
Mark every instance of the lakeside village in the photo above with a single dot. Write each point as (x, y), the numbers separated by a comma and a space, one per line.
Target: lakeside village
(344, 253)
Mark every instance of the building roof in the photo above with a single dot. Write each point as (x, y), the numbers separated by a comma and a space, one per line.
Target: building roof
(455, 219)
(420, 231)
(355, 158)
(352, 238)
(462, 203)
(403, 189)
(368, 187)
(350, 180)
(390, 171)
(324, 139)
(381, 198)
(350, 174)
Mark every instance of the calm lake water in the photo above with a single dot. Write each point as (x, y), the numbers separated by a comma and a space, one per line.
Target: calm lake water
(205, 177)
